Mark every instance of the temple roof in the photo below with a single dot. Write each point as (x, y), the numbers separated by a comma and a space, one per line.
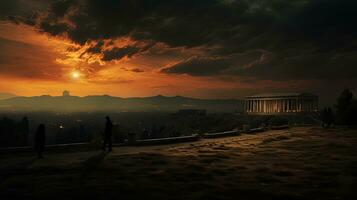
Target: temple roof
(280, 95)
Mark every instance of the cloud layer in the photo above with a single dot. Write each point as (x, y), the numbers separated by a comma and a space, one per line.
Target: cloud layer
(231, 40)
(303, 39)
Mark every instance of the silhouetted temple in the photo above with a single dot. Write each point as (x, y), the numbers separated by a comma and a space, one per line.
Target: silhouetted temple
(281, 103)
(66, 93)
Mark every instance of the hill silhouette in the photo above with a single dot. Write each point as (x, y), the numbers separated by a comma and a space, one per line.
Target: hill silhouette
(117, 104)
(6, 95)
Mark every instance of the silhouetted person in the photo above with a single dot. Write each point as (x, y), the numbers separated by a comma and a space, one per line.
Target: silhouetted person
(40, 139)
(108, 134)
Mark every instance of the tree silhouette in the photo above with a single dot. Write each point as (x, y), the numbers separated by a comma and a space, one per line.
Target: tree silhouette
(344, 106)
(14, 133)
(351, 114)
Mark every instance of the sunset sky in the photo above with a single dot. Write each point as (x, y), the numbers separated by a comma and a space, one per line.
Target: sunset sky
(196, 48)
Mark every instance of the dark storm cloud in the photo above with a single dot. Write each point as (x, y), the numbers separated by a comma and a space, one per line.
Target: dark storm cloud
(317, 65)
(199, 67)
(306, 39)
(176, 22)
(97, 48)
(118, 53)
(14, 8)
(212, 66)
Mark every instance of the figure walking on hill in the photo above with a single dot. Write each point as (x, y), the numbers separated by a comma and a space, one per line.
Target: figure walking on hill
(108, 134)
(40, 139)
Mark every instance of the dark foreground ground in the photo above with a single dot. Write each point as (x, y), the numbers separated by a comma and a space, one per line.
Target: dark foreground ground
(299, 163)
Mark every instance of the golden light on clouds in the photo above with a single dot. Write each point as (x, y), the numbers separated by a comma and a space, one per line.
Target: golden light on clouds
(50, 68)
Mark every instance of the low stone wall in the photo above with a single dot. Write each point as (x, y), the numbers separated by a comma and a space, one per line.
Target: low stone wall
(221, 134)
(279, 127)
(72, 146)
(255, 130)
(161, 141)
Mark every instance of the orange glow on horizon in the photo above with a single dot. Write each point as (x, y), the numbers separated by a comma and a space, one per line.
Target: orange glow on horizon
(48, 69)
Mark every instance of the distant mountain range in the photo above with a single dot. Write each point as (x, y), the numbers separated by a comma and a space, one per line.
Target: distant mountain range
(116, 104)
(5, 95)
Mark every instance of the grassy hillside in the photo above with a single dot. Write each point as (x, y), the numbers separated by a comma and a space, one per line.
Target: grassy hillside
(299, 163)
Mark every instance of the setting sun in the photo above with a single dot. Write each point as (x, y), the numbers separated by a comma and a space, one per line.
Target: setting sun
(76, 75)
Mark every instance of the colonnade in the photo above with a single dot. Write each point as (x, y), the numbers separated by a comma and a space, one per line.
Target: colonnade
(285, 105)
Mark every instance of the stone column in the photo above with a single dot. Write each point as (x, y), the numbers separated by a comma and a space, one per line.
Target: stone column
(250, 105)
(283, 103)
(297, 105)
(264, 106)
(260, 106)
(247, 105)
(274, 106)
(302, 105)
(256, 105)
